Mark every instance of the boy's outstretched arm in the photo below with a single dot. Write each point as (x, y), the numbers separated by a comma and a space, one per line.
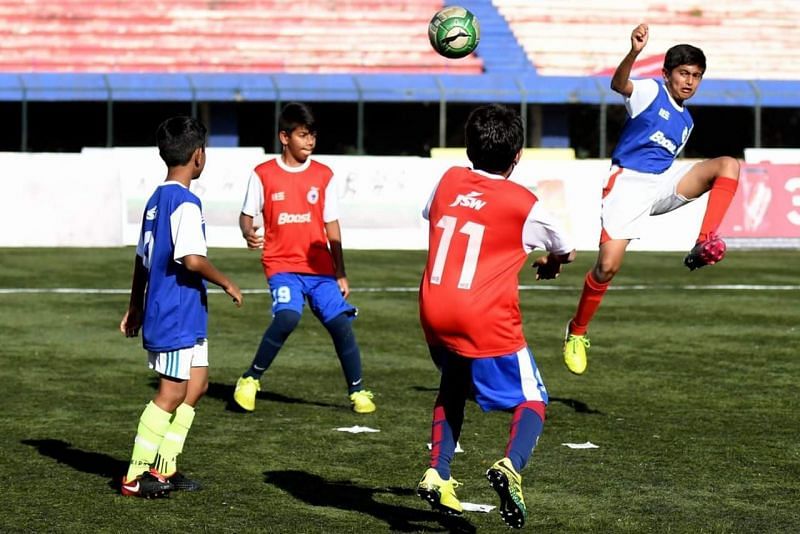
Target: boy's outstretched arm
(334, 232)
(132, 321)
(206, 269)
(621, 82)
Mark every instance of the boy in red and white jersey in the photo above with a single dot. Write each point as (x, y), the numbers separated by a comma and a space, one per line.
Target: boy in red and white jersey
(302, 254)
(482, 228)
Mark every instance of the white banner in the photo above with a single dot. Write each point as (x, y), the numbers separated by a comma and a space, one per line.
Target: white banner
(96, 198)
(58, 200)
(221, 187)
(789, 156)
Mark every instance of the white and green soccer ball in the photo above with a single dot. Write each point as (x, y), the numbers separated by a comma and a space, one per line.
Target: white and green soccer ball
(454, 32)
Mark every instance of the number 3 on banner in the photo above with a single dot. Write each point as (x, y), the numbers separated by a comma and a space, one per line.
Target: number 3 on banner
(475, 233)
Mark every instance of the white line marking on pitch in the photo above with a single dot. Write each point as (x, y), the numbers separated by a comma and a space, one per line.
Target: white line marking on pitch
(635, 287)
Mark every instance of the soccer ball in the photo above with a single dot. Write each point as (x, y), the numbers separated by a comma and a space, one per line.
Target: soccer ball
(454, 32)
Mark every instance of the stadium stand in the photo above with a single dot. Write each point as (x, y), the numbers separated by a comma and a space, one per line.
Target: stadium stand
(222, 55)
(222, 36)
(377, 50)
(499, 49)
(757, 39)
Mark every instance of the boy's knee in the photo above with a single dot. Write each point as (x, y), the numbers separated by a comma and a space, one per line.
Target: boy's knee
(605, 270)
(286, 321)
(196, 392)
(729, 167)
(343, 319)
(340, 329)
(169, 400)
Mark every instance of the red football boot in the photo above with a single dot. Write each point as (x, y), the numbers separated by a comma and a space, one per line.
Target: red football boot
(707, 252)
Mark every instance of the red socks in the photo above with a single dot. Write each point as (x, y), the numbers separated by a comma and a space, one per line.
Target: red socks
(719, 198)
(591, 297)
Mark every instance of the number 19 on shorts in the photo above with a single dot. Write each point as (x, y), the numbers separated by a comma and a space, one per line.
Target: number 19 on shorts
(281, 295)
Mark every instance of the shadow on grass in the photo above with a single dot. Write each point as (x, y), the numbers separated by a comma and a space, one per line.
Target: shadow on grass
(345, 495)
(224, 392)
(88, 462)
(578, 406)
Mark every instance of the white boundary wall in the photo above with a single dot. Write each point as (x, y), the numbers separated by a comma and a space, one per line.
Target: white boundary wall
(95, 199)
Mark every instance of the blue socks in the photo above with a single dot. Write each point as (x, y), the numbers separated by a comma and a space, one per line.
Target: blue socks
(445, 431)
(526, 427)
(341, 331)
(448, 411)
(344, 340)
(275, 336)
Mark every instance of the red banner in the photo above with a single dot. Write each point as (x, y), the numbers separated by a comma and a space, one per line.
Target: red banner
(767, 202)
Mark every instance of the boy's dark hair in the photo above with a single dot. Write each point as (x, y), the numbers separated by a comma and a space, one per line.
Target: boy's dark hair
(684, 54)
(178, 138)
(295, 114)
(494, 136)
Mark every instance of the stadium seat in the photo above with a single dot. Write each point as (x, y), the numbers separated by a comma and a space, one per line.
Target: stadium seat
(357, 36)
(742, 40)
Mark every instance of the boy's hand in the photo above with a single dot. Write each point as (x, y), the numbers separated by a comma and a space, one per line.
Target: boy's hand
(547, 267)
(639, 38)
(235, 293)
(253, 238)
(344, 285)
(131, 322)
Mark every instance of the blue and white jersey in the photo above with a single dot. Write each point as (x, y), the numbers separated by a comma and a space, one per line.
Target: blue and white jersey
(176, 307)
(656, 130)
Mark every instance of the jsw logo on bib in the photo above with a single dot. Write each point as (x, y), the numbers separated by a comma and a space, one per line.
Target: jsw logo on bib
(660, 139)
(294, 218)
(469, 200)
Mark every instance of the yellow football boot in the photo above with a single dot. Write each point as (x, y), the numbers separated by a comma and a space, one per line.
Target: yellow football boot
(245, 392)
(440, 494)
(575, 352)
(508, 484)
(361, 401)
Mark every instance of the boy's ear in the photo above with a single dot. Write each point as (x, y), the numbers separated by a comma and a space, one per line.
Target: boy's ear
(198, 156)
(283, 137)
(516, 159)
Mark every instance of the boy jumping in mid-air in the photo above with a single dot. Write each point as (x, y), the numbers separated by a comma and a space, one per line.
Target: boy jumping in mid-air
(302, 254)
(482, 228)
(169, 303)
(647, 180)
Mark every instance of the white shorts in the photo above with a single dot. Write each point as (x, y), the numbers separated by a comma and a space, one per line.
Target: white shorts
(629, 197)
(178, 363)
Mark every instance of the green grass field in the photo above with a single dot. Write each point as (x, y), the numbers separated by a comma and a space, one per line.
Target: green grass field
(691, 396)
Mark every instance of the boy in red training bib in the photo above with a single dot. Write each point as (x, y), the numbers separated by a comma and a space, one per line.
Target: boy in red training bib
(302, 254)
(482, 228)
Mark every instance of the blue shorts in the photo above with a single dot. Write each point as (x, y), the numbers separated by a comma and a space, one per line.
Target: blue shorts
(290, 290)
(498, 383)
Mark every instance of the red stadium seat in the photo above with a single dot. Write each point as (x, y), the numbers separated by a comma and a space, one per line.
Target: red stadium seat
(364, 36)
(757, 39)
